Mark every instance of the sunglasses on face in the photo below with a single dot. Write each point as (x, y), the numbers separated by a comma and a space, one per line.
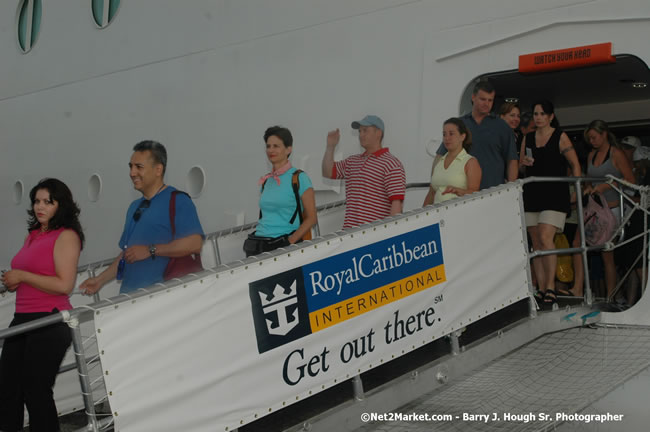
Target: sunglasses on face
(143, 206)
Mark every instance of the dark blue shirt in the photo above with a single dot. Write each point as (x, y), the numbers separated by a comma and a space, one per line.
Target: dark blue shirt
(493, 145)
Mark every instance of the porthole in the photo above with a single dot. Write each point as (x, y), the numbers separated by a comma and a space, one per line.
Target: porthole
(104, 11)
(94, 187)
(195, 181)
(29, 23)
(19, 189)
(432, 146)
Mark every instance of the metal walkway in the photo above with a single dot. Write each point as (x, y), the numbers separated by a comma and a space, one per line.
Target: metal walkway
(559, 373)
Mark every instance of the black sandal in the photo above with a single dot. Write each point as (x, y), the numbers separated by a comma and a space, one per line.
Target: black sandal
(550, 297)
(539, 295)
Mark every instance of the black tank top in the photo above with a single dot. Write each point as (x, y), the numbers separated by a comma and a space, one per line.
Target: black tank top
(549, 162)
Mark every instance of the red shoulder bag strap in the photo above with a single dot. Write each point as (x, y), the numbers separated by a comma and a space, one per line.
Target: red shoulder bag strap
(172, 211)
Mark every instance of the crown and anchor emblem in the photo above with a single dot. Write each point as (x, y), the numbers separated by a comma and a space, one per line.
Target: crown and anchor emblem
(279, 301)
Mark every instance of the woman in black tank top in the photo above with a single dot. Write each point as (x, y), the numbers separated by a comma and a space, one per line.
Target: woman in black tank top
(545, 153)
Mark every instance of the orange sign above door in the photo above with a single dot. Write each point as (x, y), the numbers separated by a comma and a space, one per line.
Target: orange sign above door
(566, 58)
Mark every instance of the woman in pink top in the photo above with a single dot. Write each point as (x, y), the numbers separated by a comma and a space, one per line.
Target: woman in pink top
(42, 274)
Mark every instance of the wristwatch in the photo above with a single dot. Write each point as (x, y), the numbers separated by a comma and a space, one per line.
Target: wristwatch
(152, 251)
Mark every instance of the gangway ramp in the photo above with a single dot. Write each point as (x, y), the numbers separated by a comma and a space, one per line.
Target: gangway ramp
(559, 381)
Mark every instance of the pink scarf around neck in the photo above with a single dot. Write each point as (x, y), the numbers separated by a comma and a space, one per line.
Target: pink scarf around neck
(275, 174)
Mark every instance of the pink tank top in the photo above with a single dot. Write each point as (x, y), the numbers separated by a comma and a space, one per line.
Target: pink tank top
(37, 256)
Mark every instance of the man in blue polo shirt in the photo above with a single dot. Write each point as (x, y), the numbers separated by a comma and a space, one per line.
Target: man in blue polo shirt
(493, 142)
(146, 242)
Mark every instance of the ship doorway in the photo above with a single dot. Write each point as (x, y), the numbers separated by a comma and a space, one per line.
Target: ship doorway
(618, 93)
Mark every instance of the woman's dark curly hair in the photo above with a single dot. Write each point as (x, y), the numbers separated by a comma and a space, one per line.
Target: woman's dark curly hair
(66, 216)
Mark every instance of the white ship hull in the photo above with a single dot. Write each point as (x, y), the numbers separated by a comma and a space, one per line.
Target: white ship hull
(206, 78)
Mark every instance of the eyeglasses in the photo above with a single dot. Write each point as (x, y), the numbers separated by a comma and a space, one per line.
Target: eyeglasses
(138, 213)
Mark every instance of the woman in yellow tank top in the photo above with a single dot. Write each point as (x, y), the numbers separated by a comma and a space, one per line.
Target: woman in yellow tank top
(457, 173)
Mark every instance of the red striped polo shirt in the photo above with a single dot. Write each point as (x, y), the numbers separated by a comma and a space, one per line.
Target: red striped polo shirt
(372, 182)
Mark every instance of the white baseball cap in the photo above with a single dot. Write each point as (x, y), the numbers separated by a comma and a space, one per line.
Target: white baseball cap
(631, 141)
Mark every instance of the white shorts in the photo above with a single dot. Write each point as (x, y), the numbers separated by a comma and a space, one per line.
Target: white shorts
(549, 217)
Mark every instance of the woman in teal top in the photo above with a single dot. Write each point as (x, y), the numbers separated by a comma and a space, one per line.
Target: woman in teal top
(458, 173)
(281, 221)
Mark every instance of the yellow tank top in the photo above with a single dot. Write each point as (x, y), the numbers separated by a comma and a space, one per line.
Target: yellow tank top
(454, 176)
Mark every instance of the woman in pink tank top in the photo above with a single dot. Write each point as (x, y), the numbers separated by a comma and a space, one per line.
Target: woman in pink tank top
(42, 274)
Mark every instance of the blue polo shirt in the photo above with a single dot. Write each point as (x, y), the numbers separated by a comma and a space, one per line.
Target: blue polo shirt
(493, 145)
(154, 227)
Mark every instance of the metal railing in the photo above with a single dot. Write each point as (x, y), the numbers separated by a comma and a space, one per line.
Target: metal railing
(214, 236)
(84, 314)
(72, 319)
(583, 249)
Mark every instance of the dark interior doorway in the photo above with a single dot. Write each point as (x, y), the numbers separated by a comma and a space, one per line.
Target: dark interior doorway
(626, 80)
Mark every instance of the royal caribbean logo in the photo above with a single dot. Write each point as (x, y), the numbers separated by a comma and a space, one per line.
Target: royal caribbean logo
(304, 300)
(279, 309)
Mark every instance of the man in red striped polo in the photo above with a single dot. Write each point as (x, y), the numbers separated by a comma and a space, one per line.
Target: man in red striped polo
(376, 182)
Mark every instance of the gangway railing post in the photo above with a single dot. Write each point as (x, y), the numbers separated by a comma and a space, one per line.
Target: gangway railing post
(215, 248)
(644, 206)
(91, 274)
(621, 209)
(583, 243)
(316, 230)
(532, 303)
(357, 388)
(455, 343)
(532, 307)
(82, 370)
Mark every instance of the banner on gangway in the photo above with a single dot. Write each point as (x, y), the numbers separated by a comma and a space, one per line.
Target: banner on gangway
(223, 351)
